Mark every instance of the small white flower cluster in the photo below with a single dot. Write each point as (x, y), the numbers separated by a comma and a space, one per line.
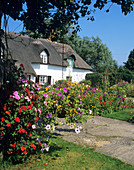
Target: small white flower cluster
(77, 130)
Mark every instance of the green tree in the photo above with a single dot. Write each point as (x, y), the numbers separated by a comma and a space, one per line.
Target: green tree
(93, 51)
(130, 62)
(35, 13)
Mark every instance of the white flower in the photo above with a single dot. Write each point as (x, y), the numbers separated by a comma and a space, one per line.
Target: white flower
(47, 149)
(33, 126)
(77, 130)
(90, 112)
(47, 127)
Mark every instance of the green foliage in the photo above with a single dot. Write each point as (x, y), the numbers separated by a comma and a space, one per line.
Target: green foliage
(11, 76)
(130, 63)
(96, 79)
(85, 82)
(67, 155)
(35, 14)
(93, 51)
(126, 115)
(62, 102)
(19, 116)
(60, 83)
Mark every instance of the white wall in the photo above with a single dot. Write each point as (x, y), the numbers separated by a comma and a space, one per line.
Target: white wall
(56, 72)
(79, 74)
(49, 70)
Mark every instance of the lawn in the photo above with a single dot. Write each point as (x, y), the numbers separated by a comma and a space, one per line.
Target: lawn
(124, 115)
(66, 155)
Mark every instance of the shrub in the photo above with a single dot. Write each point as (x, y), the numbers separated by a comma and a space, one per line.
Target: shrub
(11, 81)
(62, 102)
(85, 82)
(19, 124)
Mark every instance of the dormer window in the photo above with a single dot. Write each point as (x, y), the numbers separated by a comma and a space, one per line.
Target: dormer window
(70, 61)
(44, 57)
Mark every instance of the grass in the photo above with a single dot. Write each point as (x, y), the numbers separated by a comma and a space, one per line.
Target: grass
(65, 155)
(121, 115)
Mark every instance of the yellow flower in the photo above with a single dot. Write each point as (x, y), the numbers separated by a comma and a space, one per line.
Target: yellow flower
(51, 103)
(46, 88)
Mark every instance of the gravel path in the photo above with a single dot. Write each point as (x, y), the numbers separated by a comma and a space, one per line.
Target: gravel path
(109, 136)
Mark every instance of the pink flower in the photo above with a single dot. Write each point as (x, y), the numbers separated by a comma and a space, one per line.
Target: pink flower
(17, 97)
(39, 110)
(33, 126)
(15, 93)
(27, 98)
(11, 96)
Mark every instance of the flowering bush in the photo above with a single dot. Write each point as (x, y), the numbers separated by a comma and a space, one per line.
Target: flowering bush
(19, 123)
(62, 102)
(101, 102)
(12, 80)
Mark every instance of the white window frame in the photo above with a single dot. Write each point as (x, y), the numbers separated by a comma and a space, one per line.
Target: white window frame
(44, 57)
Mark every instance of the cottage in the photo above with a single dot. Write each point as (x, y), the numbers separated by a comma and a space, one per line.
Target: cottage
(45, 61)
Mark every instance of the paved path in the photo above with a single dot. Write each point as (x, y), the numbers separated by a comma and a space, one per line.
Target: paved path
(109, 136)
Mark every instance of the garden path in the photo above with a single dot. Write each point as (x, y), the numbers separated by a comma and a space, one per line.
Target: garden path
(109, 136)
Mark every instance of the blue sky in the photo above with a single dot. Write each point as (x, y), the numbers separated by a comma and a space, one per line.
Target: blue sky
(114, 29)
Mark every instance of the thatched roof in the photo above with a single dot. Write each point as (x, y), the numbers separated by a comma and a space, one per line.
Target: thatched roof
(26, 50)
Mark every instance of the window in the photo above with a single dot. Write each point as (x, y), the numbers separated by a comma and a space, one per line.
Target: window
(44, 57)
(69, 78)
(43, 79)
(70, 61)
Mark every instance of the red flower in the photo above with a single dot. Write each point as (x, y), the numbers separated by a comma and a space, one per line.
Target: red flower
(29, 124)
(19, 111)
(37, 118)
(3, 119)
(37, 96)
(24, 108)
(27, 90)
(23, 130)
(5, 108)
(17, 119)
(29, 134)
(110, 103)
(20, 130)
(25, 143)
(8, 124)
(22, 148)
(29, 107)
(32, 145)
(8, 112)
(25, 152)
(13, 145)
